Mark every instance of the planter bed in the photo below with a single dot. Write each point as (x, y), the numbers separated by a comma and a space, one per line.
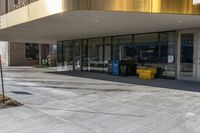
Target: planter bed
(9, 102)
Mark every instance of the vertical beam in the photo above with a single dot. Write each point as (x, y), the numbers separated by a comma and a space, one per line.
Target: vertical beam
(40, 54)
(198, 55)
(57, 54)
(133, 45)
(159, 48)
(103, 54)
(81, 54)
(111, 48)
(73, 43)
(62, 53)
(6, 6)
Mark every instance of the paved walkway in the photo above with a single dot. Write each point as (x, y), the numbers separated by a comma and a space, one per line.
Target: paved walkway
(87, 103)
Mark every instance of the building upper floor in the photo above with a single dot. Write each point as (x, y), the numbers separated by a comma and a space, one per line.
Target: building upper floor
(174, 6)
(29, 10)
(7, 6)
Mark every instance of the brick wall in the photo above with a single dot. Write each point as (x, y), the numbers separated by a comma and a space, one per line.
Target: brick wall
(17, 56)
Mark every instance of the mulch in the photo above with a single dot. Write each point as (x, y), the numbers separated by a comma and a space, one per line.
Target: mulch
(9, 102)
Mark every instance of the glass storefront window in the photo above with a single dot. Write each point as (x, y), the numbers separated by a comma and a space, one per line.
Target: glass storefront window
(59, 54)
(187, 57)
(151, 50)
(95, 55)
(157, 50)
(118, 42)
(167, 54)
(77, 55)
(147, 49)
(85, 58)
(32, 51)
(107, 53)
(68, 53)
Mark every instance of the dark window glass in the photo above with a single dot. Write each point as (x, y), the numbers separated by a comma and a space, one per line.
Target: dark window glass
(151, 50)
(167, 54)
(147, 48)
(16, 1)
(59, 53)
(77, 55)
(85, 58)
(96, 55)
(157, 50)
(118, 42)
(187, 45)
(32, 51)
(68, 54)
(107, 53)
(187, 53)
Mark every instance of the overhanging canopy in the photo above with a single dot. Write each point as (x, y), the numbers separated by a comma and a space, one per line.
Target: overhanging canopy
(89, 24)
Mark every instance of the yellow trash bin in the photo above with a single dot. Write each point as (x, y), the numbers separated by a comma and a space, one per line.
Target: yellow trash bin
(140, 69)
(146, 74)
(154, 70)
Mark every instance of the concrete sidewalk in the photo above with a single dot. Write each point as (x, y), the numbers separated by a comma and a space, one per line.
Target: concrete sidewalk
(55, 103)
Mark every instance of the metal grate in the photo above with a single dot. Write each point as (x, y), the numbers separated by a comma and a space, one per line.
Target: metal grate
(21, 93)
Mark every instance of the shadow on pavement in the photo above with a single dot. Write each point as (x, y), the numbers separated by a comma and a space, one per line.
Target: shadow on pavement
(163, 83)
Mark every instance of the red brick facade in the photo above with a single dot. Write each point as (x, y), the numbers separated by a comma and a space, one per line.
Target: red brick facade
(17, 56)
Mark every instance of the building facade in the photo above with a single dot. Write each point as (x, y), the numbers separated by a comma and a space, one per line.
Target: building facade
(157, 49)
(91, 33)
(21, 53)
(7, 6)
(24, 54)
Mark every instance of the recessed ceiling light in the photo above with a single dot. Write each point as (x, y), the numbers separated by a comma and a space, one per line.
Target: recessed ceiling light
(179, 21)
(96, 21)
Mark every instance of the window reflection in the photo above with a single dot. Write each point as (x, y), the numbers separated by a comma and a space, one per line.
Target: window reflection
(68, 53)
(151, 50)
(118, 42)
(107, 53)
(96, 54)
(32, 51)
(147, 48)
(59, 54)
(168, 53)
(85, 57)
(187, 53)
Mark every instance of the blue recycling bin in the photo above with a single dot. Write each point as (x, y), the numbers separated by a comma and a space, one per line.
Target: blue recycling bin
(115, 67)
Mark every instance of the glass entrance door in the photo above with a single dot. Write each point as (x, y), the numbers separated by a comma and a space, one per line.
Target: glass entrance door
(187, 56)
(77, 55)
